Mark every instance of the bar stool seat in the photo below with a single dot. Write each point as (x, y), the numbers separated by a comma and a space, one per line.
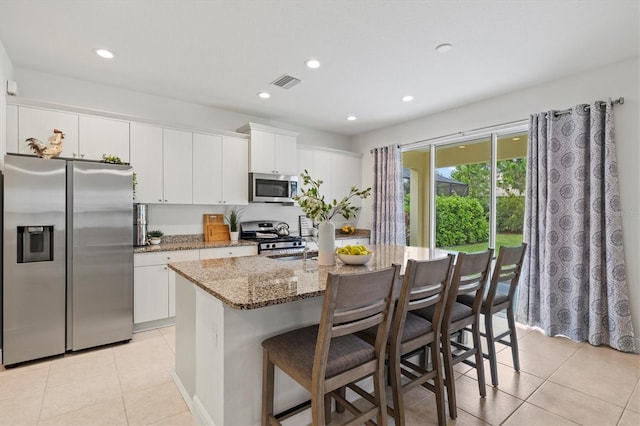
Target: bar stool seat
(345, 352)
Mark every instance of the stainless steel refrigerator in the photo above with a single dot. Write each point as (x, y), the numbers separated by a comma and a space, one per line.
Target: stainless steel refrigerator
(68, 256)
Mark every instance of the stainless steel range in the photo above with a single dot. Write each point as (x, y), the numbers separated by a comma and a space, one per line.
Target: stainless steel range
(272, 237)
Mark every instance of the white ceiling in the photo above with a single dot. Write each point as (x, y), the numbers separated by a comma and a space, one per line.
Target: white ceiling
(222, 53)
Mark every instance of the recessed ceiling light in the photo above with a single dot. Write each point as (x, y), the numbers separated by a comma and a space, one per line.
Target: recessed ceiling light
(312, 63)
(462, 147)
(444, 47)
(351, 117)
(104, 53)
(264, 95)
(407, 98)
(515, 139)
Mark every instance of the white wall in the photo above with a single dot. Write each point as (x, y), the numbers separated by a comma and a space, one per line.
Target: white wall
(620, 79)
(171, 219)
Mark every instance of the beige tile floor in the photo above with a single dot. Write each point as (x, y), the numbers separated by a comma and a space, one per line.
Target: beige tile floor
(561, 383)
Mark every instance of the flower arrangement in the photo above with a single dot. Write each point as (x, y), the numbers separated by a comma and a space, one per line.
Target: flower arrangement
(317, 209)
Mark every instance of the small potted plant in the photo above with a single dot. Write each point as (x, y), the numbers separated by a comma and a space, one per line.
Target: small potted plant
(154, 236)
(233, 219)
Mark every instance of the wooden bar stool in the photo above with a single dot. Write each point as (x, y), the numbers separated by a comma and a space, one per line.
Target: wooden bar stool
(327, 357)
(469, 277)
(506, 271)
(425, 284)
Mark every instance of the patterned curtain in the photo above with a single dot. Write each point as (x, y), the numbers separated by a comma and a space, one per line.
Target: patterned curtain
(388, 197)
(573, 280)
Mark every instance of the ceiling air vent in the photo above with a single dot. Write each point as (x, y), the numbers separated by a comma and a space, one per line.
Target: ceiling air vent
(286, 81)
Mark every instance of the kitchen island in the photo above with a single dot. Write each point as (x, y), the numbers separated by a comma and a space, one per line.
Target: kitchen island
(225, 308)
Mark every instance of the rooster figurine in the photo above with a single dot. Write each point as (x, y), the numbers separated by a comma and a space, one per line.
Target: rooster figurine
(52, 150)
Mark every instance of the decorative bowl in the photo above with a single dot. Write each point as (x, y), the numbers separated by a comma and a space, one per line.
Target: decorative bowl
(355, 259)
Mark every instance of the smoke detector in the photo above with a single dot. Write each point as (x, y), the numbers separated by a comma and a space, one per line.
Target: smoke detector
(286, 81)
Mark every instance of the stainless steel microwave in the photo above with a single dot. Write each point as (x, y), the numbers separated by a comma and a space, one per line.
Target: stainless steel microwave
(272, 188)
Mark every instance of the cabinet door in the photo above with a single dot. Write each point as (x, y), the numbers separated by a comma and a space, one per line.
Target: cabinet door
(222, 252)
(322, 171)
(150, 293)
(262, 148)
(235, 171)
(285, 154)
(305, 162)
(207, 169)
(177, 165)
(353, 176)
(39, 124)
(146, 159)
(12, 129)
(98, 136)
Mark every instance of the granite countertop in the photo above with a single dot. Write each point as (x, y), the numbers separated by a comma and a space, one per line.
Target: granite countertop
(193, 245)
(196, 241)
(253, 282)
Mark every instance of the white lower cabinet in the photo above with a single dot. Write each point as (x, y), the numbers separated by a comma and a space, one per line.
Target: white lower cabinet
(221, 252)
(153, 286)
(352, 242)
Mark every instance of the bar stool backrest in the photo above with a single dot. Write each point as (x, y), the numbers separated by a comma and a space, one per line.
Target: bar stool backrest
(425, 284)
(352, 303)
(470, 276)
(506, 270)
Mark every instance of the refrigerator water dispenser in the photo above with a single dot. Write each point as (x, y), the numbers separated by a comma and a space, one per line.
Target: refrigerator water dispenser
(35, 244)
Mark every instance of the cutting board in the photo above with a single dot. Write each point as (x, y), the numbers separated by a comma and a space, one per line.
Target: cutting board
(216, 232)
(214, 228)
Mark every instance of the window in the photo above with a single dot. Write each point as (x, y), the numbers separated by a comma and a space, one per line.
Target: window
(470, 196)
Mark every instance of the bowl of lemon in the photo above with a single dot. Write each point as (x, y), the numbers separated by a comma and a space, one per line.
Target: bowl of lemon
(354, 255)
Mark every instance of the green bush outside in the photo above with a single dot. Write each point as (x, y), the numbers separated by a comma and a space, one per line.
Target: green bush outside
(509, 214)
(460, 220)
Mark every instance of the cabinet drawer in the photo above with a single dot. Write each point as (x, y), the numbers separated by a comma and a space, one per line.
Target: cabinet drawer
(220, 252)
(162, 258)
(352, 242)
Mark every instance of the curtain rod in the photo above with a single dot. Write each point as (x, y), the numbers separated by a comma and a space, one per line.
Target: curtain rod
(620, 101)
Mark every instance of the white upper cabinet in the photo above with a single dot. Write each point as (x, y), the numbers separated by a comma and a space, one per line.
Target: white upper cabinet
(338, 171)
(220, 170)
(102, 136)
(177, 165)
(207, 169)
(12, 128)
(39, 123)
(271, 150)
(87, 137)
(235, 170)
(146, 160)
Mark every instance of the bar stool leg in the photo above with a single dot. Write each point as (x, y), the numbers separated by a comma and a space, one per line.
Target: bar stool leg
(449, 379)
(267, 388)
(475, 330)
(380, 399)
(491, 346)
(438, 382)
(514, 339)
(317, 409)
(396, 385)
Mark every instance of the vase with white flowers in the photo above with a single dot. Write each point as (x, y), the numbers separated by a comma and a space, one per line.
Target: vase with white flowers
(320, 211)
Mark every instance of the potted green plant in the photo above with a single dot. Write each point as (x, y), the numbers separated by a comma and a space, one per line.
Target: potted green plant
(155, 236)
(233, 219)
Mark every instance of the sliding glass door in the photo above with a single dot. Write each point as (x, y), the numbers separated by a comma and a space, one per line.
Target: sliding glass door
(470, 195)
